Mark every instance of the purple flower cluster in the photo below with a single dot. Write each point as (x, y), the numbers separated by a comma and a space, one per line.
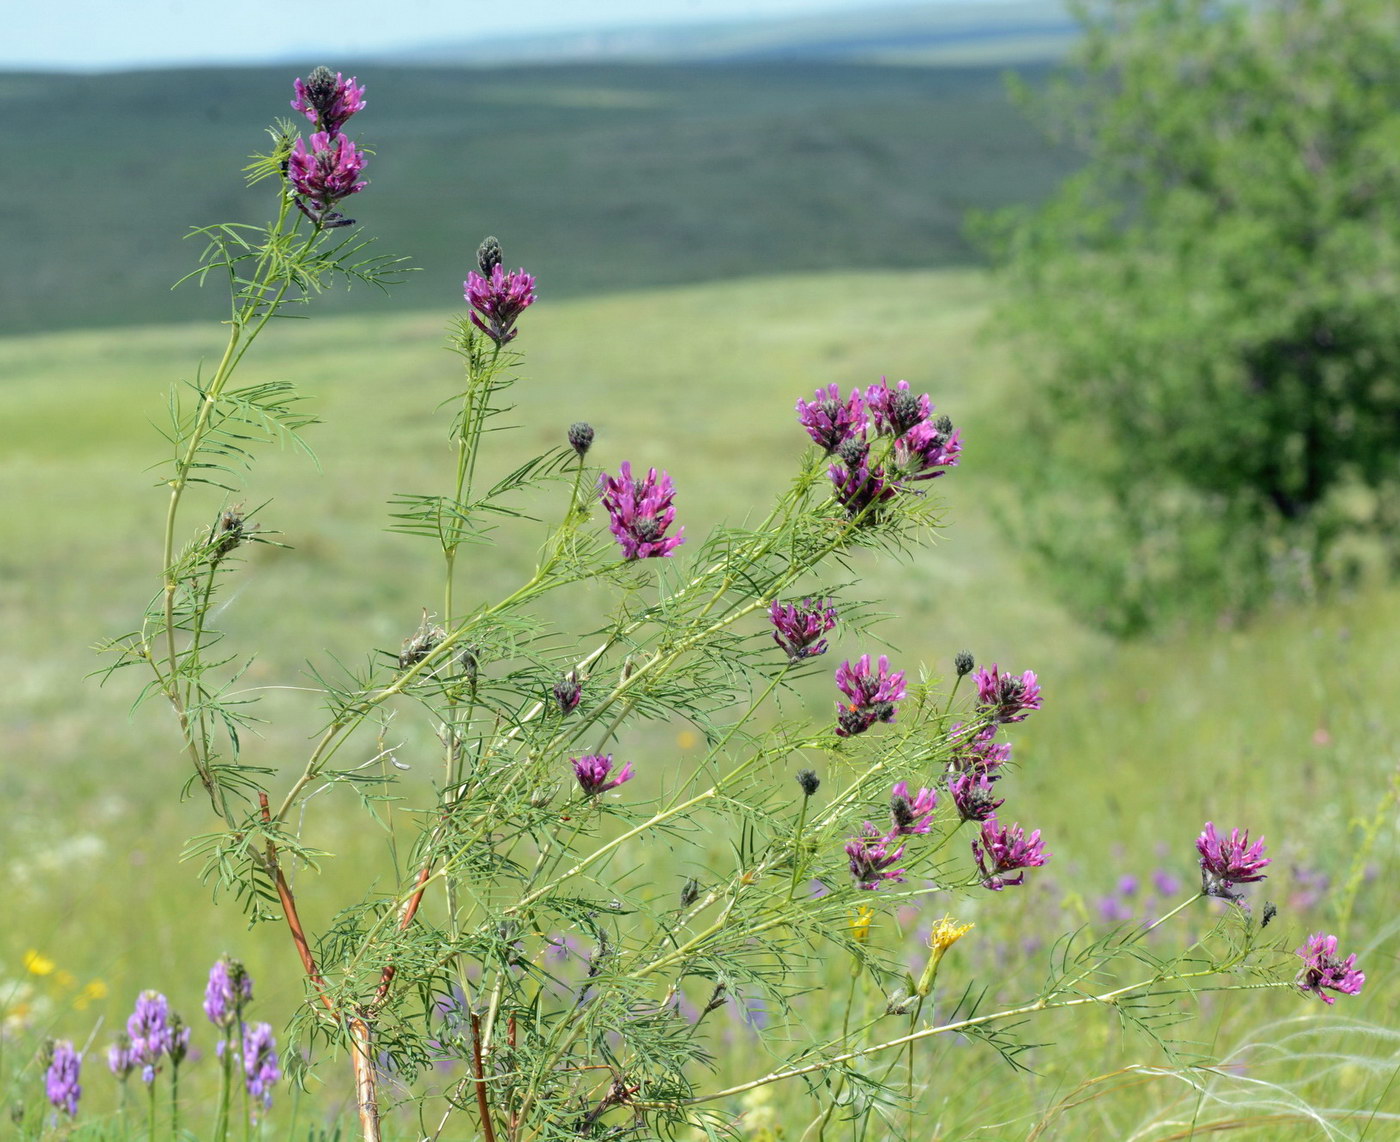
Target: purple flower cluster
(1228, 862)
(593, 770)
(1323, 968)
(568, 692)
(329, 169)
(1005, 697)
(920, 447)
(871, 854)
(640, 511)
(870, 697)
(980, 754)
(61, 1079)
(974, 795)
(498, 300)
(798, 628)
(228, 992)
(149, 1031)
(260, 1068)
(1000, 850)
(911, 814)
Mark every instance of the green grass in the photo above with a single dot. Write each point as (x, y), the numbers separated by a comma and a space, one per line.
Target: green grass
(1286, 727)
(600, 178)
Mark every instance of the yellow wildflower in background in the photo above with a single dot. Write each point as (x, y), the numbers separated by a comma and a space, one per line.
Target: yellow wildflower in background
(37, 964)
(93, 989)
(861, 920)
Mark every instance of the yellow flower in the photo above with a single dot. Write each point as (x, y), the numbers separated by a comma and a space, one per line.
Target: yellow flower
(93, 989)
(37, 964)
(66, 980)
(945, 934)
(861, 920)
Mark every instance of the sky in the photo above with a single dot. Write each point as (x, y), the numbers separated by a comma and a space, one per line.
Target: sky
(115, 34)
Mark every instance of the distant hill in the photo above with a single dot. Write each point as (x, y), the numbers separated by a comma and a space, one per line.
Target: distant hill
(952, 31)
(599, 178)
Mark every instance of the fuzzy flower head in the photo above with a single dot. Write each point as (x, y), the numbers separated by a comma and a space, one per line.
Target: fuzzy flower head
(870, 696)
(640, 511)
(981, 753)
(975, 796)
(328, 100)
(228, 992)
(798, 628)
(498, 300)
(149, 1029)
(1005, 697)
(568, 692)
(593, 771)
(260, 1068)
(871, 855)
(324, 174)
(1225, 863)
(911, 813)
(927, 450)
(61, 1079)
(1323, 968)
(829, 420)
(896, 410)
(1000, 850)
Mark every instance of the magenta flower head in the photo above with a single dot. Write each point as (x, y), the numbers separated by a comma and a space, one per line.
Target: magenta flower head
(640, 511)
(858, 487)
(896, 410)
(149, 1028)
(829, 420)
(61, 1079)
(228, 992)
(974, 795)
(871, 697)
(926, 450)
(1004, 697)
(871, 854)
(592, 772)
(911, 813)
(1322, 968)
(1000, 850)
(498, 300)
(1225, 863)
(260, 1069)
(325, 174)
(981, 753)
(328, 100)
(568, 692)
(798, 629)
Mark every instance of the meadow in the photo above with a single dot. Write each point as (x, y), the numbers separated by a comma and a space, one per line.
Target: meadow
(1283, 726)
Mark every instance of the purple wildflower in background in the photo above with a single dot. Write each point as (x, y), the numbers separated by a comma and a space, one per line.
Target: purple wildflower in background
(798, 629)
(592, 771)
(1003, 849)
(1165, 882)
(61, 1080)
(325, 174)
(911, 814)
(497, 301)
(229, 990)
(568, 693)
(829, 420)
(149, 1028)
(120, 1060)
(260, 1061)
(328, 100)
(640, 511)
(872, 853)
(896, 410)
(927, 449)
(981, 753)
(1225, 863)
(1323, 968)
(1005, 697)
(870, 697)
(974, 795)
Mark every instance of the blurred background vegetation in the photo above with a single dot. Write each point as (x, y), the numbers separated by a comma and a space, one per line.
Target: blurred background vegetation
(1144, 363)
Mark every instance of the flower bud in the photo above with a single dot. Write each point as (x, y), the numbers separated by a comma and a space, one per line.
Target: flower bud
(809, 781)
(963, 662)
(488, 255)
(581, 437)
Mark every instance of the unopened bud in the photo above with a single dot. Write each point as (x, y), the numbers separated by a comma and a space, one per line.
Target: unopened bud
(853, 452)
(421, 643)
(581, 437)
(808, 780)
(690, 892)
(963, 662)
(488, 256)
(567, 693)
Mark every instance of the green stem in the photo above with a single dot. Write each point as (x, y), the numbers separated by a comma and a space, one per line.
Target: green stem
(225, 1089)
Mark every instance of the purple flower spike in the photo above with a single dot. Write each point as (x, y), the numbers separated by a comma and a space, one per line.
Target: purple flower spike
(592, 772)
(975, 796)
(799, 629)
(829, 420)
(229, 990)
(896, 410)
(1000, 850)
(981, 753)
(149, 1028)
(328, 100)
(640, 511)
(1323, 968)
(260, 1061)
(120, 1061)
(1225, 863)
(325, 174)
(871, 697)
(61, 1080)
(1004, 697)
(871, 858)
(498, 301)
(911, 814)
(927, 449)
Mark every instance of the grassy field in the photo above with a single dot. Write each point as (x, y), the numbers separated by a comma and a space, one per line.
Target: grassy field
(603, 179)
(1284, 727)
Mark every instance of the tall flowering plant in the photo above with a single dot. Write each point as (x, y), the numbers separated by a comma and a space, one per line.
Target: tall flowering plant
(520, 953)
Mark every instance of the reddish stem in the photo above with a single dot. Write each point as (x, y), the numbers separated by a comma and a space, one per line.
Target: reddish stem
(479, 1078)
